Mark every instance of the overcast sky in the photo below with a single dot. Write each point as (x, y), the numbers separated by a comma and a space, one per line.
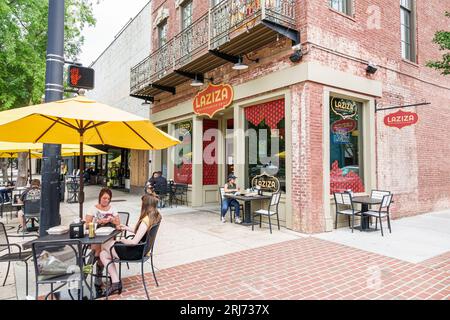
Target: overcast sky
(111, 16)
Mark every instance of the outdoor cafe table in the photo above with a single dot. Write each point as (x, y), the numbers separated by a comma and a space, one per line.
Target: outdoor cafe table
(365, 201)
(247, 204)
(85, 242)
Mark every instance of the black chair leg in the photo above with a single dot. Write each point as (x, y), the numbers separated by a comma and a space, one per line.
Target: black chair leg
(143, 280)
(349, 223)
(153, 269)
(376, 224)
(260, 221)
(7, 272)
(353, 222)
(26, 279)
(381, 226)
(335, 221)
(389, 223)
(270, 224)
(278, 221)
(251, 221)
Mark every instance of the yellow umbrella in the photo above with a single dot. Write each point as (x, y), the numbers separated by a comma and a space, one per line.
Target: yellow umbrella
(117, 160)
(81, 120)
(69, 150)
(12, 149)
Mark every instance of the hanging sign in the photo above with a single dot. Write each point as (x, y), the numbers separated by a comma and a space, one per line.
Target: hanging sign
(213, 99)
(346, 125)
(401, 119)
(344, 107)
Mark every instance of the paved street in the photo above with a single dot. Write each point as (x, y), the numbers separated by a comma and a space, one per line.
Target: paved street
(197, 257)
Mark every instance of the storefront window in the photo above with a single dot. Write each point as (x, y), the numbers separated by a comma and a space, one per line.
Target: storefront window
(183, 153)
(265, 141)
(346, 145)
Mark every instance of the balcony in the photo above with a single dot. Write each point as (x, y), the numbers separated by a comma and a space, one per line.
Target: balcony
(232, 27)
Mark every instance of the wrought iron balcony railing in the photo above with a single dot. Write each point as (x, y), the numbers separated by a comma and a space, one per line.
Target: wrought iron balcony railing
(219, 26)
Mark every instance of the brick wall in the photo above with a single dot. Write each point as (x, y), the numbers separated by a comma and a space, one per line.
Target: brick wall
(413, 162)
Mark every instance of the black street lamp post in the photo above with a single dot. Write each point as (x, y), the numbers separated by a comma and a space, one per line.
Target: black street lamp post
(54, 89)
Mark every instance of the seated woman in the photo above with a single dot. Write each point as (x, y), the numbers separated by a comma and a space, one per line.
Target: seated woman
(105, 216)
(149, 217)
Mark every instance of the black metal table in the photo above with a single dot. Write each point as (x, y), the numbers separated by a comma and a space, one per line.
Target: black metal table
(247, 204)
(365, 201)
(85, 241)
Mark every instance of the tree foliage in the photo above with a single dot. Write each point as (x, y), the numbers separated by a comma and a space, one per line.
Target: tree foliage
(442, 38)
(23, 42)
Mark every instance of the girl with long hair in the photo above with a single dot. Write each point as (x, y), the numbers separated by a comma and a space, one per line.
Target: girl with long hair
(149, 216)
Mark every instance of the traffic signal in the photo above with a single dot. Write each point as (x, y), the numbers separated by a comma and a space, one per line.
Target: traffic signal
(80, 77)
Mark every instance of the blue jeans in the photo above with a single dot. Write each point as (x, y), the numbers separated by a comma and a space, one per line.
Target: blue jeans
(230, 202)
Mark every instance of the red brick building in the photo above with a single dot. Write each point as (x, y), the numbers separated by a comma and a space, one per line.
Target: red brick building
(318, 73)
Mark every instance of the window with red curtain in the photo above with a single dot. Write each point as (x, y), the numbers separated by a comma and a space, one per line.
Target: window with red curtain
(266, 117)
(210, 167)
(183, 153)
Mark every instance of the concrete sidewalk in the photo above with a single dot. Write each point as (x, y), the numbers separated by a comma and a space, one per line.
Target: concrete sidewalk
(413, 239)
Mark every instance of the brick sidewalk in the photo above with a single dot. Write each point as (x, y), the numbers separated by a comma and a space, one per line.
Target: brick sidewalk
(307, 268)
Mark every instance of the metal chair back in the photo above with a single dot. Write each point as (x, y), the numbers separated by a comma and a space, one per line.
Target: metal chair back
(3, 238)
(32, 207)
(150, 240)
(378, 194)
(386, 202)
(66, 256)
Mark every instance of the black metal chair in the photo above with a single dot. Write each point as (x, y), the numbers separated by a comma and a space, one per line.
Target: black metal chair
(147, 253)
(70, 266)
(383, 212)
(180, 194)
(73, 187)
(232, 209)
(6, 203)
(9, 256)
(345, 199)
(31, 212)
(377, 194)
(274, 201)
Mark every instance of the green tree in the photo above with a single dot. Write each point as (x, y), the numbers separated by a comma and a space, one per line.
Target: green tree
(23, 46)
(442, 38)
(23, 42)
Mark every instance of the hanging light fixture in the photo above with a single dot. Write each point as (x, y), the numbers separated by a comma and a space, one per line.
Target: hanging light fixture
(240, 65)
(196, 82)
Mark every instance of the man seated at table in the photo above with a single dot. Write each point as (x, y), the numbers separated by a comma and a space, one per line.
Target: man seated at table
(230, 187)
(32, 193)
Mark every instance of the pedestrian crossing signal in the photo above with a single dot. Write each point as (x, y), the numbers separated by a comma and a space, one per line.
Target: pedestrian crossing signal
(80, 77)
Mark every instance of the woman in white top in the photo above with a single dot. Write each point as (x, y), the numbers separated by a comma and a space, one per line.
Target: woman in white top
(105, 216)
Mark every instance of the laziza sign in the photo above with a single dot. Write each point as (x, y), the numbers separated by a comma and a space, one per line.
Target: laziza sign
(213, 99)
(344, 107)
(266, 183)
(401, 119)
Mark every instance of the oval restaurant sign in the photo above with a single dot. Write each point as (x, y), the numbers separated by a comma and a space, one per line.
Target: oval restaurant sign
(344, 107)
(213, 99)
(401, 119)
(266, 182)
(346, 125)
